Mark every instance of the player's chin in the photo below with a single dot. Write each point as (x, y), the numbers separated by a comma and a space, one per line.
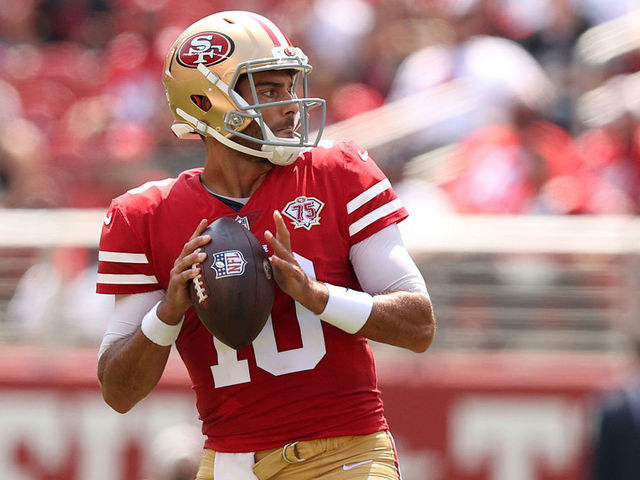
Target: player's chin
(252, 145)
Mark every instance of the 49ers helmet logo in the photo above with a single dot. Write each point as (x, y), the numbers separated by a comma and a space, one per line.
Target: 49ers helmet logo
(207, 48)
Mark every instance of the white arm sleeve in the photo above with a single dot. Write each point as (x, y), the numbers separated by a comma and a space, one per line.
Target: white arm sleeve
(127, 316)
(383, 264)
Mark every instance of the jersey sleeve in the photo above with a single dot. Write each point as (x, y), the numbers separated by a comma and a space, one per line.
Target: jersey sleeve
(124, 263)
(370, 200)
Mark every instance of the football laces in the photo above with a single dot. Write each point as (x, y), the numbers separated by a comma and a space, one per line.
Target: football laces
(201, 291)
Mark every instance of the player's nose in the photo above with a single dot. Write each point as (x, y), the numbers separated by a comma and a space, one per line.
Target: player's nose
(290, 107)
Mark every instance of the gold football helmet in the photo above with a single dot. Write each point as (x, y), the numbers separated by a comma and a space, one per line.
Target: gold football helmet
(207, 60)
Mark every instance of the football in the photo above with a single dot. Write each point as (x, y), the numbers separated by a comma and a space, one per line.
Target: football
(233, 291)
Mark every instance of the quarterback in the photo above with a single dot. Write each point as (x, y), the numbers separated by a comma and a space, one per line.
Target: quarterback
(302, 401)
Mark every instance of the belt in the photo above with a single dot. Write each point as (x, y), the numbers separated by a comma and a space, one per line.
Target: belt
(270, 462)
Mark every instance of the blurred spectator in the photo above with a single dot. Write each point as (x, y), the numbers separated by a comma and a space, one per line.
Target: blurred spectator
(98, 62)
(340, 27)
(617, 440)
(421, 198)
(496, 174)
(610, 145)
(529, 166)
(24, 155)
(353, 99)
(599, 11)
(497, 73)
(52, 299)
(175, 453)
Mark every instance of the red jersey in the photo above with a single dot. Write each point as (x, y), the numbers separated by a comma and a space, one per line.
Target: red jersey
(301, 378)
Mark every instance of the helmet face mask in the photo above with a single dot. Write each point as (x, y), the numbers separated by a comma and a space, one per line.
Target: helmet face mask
(211, 57)
(253, 109)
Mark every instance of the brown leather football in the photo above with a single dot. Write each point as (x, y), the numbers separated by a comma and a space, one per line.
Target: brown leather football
(233, 292)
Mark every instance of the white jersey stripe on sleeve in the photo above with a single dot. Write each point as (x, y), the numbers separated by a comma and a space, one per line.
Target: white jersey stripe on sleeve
(121, 257)
(127, 279)
(368, 194)
(376, 214)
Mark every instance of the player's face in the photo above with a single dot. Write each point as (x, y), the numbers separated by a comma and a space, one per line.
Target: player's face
(274, 86)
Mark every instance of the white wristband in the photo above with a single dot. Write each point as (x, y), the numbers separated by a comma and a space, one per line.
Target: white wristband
(157, 331)
(347, 309)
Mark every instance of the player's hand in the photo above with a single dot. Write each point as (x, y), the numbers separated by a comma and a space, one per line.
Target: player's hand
(289, 276)
(177, 300)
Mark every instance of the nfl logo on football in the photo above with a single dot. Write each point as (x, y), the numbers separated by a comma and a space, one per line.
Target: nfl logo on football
(228, 263)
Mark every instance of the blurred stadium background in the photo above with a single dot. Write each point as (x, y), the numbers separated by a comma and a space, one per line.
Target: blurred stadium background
(510, 130)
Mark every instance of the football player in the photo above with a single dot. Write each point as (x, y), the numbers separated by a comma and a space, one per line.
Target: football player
(302, 400)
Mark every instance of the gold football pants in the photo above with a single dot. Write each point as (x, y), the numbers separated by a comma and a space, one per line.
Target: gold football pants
(365, 457)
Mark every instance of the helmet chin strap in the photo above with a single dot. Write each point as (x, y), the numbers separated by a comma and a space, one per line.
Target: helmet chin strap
(278, 155)
(282, 154)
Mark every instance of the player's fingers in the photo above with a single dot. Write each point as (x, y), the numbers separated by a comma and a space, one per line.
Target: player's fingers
(193, 244)
(190, 273)
(288, 276)
(196, 240)
(278, 247)
(200, 228)
(181, 278)
(271, 240)
(282, 232)
(188, 261)
(281, 267)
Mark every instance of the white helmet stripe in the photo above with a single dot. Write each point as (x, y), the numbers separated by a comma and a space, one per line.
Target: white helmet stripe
(279, 38)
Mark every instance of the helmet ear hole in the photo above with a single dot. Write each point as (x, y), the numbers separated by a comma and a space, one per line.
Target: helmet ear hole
(201, 102)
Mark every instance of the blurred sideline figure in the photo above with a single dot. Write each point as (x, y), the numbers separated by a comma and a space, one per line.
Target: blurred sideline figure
(175, 453)
(617, 439)
(55, 301)
(497, 74)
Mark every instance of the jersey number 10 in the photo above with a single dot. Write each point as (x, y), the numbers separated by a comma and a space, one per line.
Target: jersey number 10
(231, 371)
